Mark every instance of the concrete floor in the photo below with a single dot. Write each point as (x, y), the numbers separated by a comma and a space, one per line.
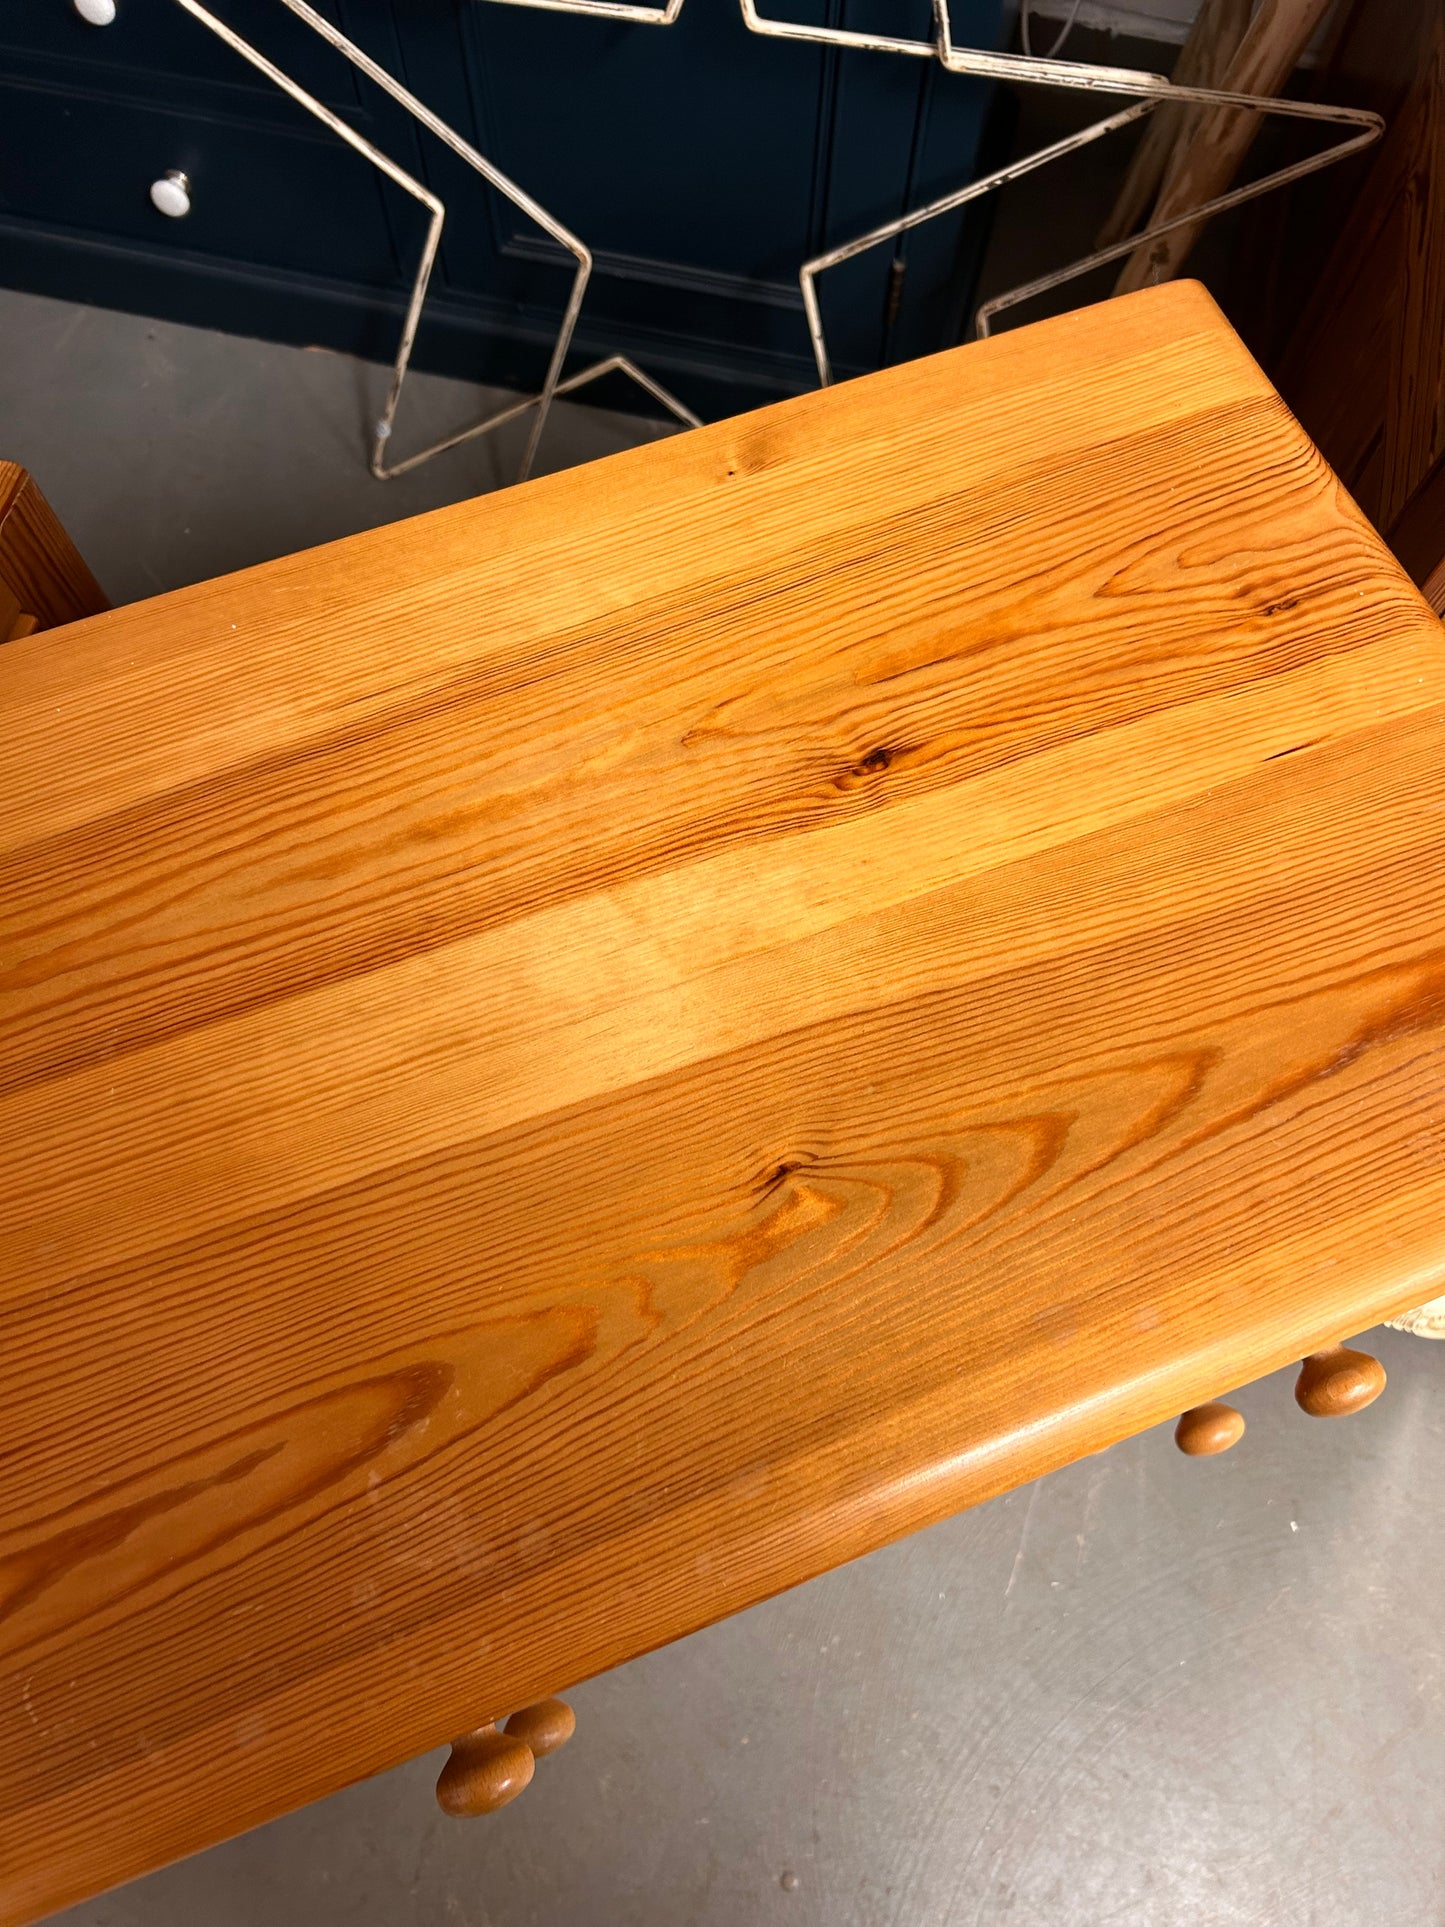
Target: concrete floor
(1146, 1691)
(173, 454)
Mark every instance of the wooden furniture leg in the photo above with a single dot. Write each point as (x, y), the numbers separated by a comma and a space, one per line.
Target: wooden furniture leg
(1331, 1384)
(544, 1727)
(1334, 1383)
(487, 1768)
(1206, 1430)
(43, 580)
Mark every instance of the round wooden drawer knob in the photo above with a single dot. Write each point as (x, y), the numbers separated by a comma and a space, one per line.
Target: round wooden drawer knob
(543, 1727)
(1338, 1381)
(485, 1771)
(1205, 1430)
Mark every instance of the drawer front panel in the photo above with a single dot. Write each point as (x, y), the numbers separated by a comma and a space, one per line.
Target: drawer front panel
(262, 196)
(152, 43)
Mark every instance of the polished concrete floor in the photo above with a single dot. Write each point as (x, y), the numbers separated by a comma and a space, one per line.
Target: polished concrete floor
(1147, 1691)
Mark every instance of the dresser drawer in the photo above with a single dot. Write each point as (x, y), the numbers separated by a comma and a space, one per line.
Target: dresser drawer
(152, 41)
(258, 195)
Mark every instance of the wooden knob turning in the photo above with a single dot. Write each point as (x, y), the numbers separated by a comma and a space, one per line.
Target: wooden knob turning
(1337, 1381)
(543, 1727)
(1207, 1429)
(485, 1771)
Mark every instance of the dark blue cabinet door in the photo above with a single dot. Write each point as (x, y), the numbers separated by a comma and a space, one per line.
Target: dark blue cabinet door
(702, 165)
(281, 210)
(153, 50)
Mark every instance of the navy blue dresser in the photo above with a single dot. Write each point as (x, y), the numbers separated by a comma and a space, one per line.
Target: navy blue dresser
(701, 163)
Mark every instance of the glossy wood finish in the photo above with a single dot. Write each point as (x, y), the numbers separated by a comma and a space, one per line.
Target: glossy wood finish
(1337, 1381)
(485, 1771)
(544, 1728)
(43, 580)
(570, 1063)
(1207, 1430)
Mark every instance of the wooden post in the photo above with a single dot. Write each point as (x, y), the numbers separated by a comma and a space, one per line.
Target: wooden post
(43, 581)
(1204, 59)
(1266, 57)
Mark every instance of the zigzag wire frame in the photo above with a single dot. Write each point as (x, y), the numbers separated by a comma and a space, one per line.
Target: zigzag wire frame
(552, 385)
(974, 191)
(607, 10)
(1146, 89)
(1154, 88)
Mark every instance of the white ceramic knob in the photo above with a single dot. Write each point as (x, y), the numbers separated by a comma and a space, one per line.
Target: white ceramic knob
(99, 13)
(171, 194)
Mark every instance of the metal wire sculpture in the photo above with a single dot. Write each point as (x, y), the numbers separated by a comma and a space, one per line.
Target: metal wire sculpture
(608, 9)
(553, 385)
(1146, 90)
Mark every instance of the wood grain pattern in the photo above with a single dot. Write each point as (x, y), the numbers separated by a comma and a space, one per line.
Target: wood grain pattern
(1366, 366)
(1205, 165)
(43, 580)
(1203, 60)
(568, 1064)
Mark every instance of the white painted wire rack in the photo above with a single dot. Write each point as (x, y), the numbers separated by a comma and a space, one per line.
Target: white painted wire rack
(537, 405)
(1145, 91)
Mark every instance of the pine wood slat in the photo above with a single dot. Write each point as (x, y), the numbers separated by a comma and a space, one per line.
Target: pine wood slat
(573, 1062)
